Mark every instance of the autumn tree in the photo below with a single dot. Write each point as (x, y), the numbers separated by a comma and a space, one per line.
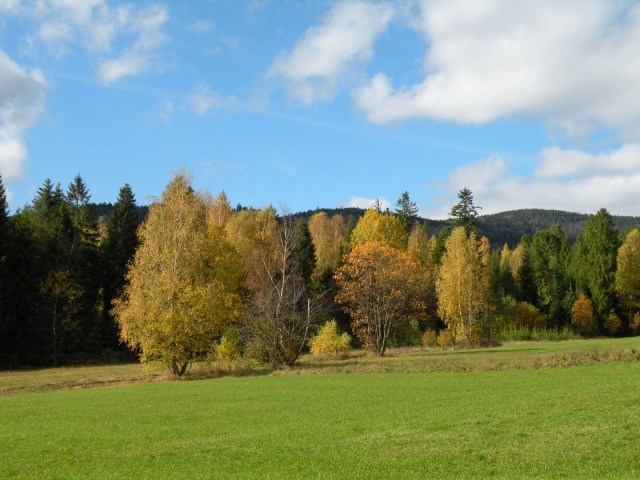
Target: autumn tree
(582, 317)
(627, 283)
(328, 235)
(177, 301)
(462, 285)
(282, 309)
(378, 227)
(220, 210)
(379, 286)
(421, 249)
(465, 213)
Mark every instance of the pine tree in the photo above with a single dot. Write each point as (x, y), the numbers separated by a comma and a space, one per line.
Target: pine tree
(305, 251)
(601, 248)
(117, 250)
(407, 212)
(465, 213)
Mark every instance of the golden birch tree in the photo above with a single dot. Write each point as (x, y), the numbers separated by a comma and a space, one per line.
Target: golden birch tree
(380, 288)
(375, 226)
(327, 234)
(181, 293)
(628, 271)
(462, 285)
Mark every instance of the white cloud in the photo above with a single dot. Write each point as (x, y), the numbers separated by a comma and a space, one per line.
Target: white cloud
(571, 62)
(126, 65)
(324, 54)
(204, 99)
(565, 179)
(125, 38)
(22, 96)
(366, 203)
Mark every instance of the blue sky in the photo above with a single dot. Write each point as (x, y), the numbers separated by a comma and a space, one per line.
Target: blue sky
(531, 104)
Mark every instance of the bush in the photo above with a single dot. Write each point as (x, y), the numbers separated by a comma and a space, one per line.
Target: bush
(330, 341)
(537, 334)
(445, 339)
(229, 346)
(429, 338)
(613, 324)
(529, 316)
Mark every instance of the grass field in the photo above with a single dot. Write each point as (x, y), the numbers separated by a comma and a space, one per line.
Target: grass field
(567, 410)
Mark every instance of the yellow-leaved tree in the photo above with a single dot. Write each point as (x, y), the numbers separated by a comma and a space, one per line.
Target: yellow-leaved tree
(628, 271)
(183, 284)
(375, 226)
(380, 287)
(463, 285)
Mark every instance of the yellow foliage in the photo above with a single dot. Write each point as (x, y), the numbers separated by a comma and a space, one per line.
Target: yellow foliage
(327, 235)
(429, 338)
(463, 284)
(181, 291)
(330, 341)
(379, 227)
(529, 316)
(628, 270)
(445, 339)
(228, 348)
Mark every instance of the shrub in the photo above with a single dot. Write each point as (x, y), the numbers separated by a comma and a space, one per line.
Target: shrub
(228, 348)
(429, 338)
(445, 339)
(329, 340)
(613, 324)
(529, 316)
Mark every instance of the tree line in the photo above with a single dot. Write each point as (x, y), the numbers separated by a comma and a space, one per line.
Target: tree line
(199, 278)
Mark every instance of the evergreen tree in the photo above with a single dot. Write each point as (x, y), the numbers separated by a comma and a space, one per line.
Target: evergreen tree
(526, 280)
(601, 248)
(407, 212)
(464, 213)
(549, 260)
(305, 251)
(4, 277)
(117, 250)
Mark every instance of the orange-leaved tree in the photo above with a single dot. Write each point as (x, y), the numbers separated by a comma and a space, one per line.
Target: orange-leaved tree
(582, 317)
(380, 287)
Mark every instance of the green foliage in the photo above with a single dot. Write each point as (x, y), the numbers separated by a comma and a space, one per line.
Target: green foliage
(465, 213)
(329, 340)
(407, 212)
(521, 334)
(305, 251)
(601, 243)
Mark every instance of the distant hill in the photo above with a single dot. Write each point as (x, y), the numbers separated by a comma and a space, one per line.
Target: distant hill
(505, 227)
(508, 227)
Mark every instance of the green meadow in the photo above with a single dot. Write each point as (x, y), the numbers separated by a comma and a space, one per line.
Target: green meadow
(532, 410)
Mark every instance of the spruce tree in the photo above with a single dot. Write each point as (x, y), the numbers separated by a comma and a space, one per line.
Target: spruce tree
(465, 213)
(601, 243)
(117, 249)
(407, 212)
(305, 251)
